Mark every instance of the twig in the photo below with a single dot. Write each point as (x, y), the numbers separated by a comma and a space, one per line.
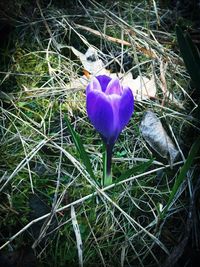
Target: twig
(145, 51)
(107, 37)
(47, 26)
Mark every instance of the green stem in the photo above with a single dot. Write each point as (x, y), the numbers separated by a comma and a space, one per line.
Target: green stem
(107, 162)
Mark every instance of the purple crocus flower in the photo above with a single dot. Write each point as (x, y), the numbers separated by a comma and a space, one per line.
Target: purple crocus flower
(109, 107)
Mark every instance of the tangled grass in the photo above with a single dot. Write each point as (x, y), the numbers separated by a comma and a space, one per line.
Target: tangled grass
(48, 199)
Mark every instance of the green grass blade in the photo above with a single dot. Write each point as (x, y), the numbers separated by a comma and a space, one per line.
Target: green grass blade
(142, 167)
(194, 49)
(80, 147)
(189, 56)
(182, 174)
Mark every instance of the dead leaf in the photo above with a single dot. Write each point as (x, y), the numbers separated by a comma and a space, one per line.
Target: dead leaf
(78, 83)
(156, 136)
(90, 61)
(142, 87)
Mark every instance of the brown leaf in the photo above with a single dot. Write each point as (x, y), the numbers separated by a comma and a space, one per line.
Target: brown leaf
(156, 136)
(90, 61)
(142, 87)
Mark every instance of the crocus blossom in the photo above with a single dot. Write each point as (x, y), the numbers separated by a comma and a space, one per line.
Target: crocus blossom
(109, 106)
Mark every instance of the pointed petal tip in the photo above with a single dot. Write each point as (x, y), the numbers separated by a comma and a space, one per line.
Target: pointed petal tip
(94, 85)
(104, 81)
(114, 87)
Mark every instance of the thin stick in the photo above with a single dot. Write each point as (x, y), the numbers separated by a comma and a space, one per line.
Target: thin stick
(145, 51)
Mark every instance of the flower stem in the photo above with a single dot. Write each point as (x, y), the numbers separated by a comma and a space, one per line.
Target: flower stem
(107, 177)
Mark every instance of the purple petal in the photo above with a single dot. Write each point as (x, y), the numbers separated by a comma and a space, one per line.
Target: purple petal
(104, 81)
(114, 87)
(126, 107)
(93, 85)
(100, 113)
(115, 101)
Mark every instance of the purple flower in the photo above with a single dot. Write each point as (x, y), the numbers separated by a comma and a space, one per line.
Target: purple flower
(109, 106)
